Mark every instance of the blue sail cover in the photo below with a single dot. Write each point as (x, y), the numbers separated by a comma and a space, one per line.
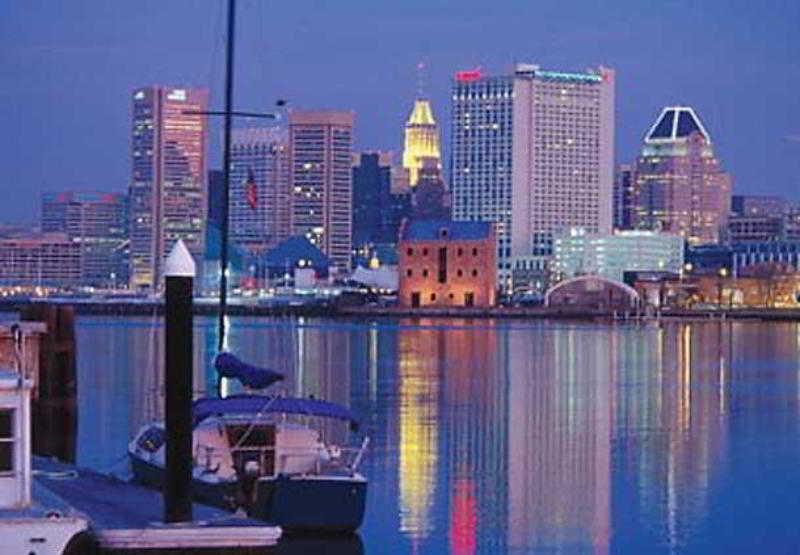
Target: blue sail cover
(259, 404)
(230, 366)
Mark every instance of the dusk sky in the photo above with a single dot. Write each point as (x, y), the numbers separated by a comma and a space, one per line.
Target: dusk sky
(67, 70)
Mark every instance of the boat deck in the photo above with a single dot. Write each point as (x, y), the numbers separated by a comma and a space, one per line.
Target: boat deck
(126, 516)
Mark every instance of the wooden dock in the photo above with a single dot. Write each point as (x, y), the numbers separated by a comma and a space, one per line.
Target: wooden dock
(127, 518)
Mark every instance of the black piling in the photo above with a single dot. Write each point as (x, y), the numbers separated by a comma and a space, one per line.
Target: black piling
(179, 277)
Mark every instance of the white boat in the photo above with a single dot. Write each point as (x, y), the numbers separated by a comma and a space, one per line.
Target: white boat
(263, 454)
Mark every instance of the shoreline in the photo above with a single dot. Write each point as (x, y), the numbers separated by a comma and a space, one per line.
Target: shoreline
(124, 308)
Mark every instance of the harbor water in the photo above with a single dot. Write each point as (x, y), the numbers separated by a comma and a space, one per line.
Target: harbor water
(511, 436)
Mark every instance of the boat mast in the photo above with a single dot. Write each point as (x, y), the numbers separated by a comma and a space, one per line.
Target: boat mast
(226, 160)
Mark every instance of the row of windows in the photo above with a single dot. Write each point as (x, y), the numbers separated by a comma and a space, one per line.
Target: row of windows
(459, 251)
(425, 273)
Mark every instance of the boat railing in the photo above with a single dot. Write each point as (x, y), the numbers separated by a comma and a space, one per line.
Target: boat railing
(327, 457)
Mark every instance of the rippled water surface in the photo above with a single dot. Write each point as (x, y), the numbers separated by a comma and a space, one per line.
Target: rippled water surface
(516, 436)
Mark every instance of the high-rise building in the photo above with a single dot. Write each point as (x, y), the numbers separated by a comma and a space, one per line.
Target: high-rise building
(98, 223)
(533, 152)
(259, 187)
(679, 186)
(372, 199)
(168, 178)
(421, 144)
(624, 207)
(320, 178)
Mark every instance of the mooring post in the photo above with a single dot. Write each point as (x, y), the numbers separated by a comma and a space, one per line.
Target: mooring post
(179, 271)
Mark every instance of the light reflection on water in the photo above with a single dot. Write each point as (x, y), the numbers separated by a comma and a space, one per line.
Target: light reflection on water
(511, 436)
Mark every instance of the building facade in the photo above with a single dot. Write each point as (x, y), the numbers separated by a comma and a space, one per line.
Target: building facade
(679, 185)
(320, 177)
(46, 260)
(759, 205)
(98, 223)
(611, 255)
(447, 264)
(421, 141)
(372, 200)
(259, 187)
(533, 152)
(623, 209)
(168, 179)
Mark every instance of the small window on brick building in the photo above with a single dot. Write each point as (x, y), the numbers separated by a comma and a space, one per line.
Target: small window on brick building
(425, 273)
(433, 296)
(474, 273)
(424, 252)
(409, 272)
(460, 273)
(451, 296)
(474, 252)
(460, 251)
(410, 252)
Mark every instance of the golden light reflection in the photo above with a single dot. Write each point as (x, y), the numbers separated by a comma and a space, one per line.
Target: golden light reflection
(418, 391)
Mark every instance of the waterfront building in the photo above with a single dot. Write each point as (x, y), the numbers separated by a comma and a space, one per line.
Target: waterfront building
(744, 255)
(761, 285)
(530, 274)
(98, 222)
(46, 260)
(421, 142)
(592, 292)
(320, 177)
(447, 264)
(578, 252)
(533, 152)
(292, 254)
(707, 259)
(679, 185)
(372, 200)
(623, 209)
(259, 187)
(168, 179)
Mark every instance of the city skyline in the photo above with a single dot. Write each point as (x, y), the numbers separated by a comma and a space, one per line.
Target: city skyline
(42, 62)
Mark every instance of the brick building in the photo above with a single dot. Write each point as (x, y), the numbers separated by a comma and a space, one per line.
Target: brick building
(445, 263)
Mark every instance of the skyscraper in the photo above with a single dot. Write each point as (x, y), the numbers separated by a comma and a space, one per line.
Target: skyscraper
(533, 152)
(679, 186)
(321, 177)
(259, 192)
(372, 199)
(168, 178)
(96, 221)
(421, 141)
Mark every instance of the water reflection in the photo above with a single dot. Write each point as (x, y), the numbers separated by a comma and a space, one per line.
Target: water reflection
(496, 436)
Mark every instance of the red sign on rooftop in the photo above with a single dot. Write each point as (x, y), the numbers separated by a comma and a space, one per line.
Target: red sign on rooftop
(468, 75)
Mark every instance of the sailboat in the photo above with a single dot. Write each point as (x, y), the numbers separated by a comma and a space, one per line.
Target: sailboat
(261, 452)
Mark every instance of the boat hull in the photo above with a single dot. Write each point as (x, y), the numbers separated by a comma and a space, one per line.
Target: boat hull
(312, 503)
(334, 504)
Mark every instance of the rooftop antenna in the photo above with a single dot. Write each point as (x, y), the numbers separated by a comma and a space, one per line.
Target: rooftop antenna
(421, 79)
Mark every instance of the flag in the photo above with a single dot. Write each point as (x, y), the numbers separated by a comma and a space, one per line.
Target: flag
(250, 189)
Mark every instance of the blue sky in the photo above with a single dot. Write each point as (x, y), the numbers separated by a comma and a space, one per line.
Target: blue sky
(67, 69)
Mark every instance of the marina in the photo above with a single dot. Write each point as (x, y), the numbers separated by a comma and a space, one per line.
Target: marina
(643, 437)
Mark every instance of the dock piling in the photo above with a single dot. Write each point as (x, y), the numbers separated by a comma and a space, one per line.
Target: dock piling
(179, 276)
